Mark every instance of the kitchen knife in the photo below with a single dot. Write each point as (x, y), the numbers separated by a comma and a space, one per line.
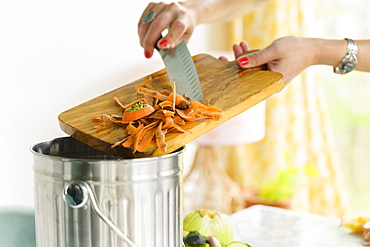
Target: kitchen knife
(181, 70)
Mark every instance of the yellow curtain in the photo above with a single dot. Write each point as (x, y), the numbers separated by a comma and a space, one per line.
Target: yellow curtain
(296, 121)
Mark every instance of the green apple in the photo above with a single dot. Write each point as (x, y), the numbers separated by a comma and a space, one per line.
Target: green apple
(237, 244)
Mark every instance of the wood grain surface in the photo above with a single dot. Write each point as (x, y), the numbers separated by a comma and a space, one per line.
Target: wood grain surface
(224, 85)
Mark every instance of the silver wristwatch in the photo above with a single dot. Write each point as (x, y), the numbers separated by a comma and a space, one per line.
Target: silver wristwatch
(349, 60)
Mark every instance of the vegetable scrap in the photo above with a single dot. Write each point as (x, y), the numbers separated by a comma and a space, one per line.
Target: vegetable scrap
(210, 223)
(360, 226)
(148, 119)
(208, 228)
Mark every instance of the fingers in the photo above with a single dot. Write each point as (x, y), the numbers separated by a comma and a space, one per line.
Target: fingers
(181, 25)
(257, 58)
(149, 32)
(288, 56)
(146, 12)
(175, 34)
(237, 50)
(244, 46)
(240, 49)
(173, 17)
(223, 58)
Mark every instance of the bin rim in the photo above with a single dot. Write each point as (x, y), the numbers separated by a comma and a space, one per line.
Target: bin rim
(114, 158)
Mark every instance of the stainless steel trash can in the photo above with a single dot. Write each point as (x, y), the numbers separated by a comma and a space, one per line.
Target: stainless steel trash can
(84, 197)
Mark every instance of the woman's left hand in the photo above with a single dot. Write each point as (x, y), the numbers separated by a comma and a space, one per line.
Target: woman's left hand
(288, 56)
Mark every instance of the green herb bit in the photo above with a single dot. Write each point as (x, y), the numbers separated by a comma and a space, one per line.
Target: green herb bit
(136, 106)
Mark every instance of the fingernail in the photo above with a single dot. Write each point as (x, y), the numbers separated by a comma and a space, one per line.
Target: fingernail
(147, 54)
(163, 43)
(243, 61)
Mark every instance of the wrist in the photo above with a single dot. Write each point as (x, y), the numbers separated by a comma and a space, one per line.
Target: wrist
(350, 59)
(195, 11)
(312, 48)
(329, 52)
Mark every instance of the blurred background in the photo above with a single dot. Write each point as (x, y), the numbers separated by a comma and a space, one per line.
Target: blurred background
(347, 100)
(55, 55)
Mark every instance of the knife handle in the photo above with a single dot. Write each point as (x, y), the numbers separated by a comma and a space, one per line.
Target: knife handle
(155, 45)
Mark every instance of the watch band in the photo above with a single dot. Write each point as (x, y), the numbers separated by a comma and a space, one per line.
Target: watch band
(349, 60)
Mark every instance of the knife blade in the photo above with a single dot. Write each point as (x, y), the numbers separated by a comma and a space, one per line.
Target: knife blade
(181, 70)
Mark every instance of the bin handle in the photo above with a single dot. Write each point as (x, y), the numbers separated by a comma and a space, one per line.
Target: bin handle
(77, 194)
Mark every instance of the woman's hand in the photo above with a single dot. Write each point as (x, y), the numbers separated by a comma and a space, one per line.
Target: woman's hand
(288, 56)
(291, 55)
(239, 50)
(178, 19)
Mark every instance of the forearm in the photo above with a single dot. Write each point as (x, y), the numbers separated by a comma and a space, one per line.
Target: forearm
(206, 11)
(331, 52)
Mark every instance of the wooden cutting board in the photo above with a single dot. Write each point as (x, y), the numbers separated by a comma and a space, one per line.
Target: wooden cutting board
(224, 85)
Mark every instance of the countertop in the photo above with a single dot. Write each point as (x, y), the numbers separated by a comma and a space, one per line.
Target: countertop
(263, 226)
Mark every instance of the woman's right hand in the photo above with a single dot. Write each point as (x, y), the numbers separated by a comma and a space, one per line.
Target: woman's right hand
(178, 19)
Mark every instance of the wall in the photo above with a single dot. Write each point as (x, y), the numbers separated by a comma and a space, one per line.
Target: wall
(57, 54)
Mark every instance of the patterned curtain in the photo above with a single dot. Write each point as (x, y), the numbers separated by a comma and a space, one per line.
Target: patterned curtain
(296, 121)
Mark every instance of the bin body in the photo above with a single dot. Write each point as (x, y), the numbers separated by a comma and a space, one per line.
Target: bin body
(142, 197)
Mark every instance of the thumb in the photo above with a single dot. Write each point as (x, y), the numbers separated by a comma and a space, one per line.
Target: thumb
(255, 58)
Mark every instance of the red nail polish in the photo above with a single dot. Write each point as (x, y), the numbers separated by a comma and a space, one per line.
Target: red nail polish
(243, 61)
(163, 43)
(147, 54)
